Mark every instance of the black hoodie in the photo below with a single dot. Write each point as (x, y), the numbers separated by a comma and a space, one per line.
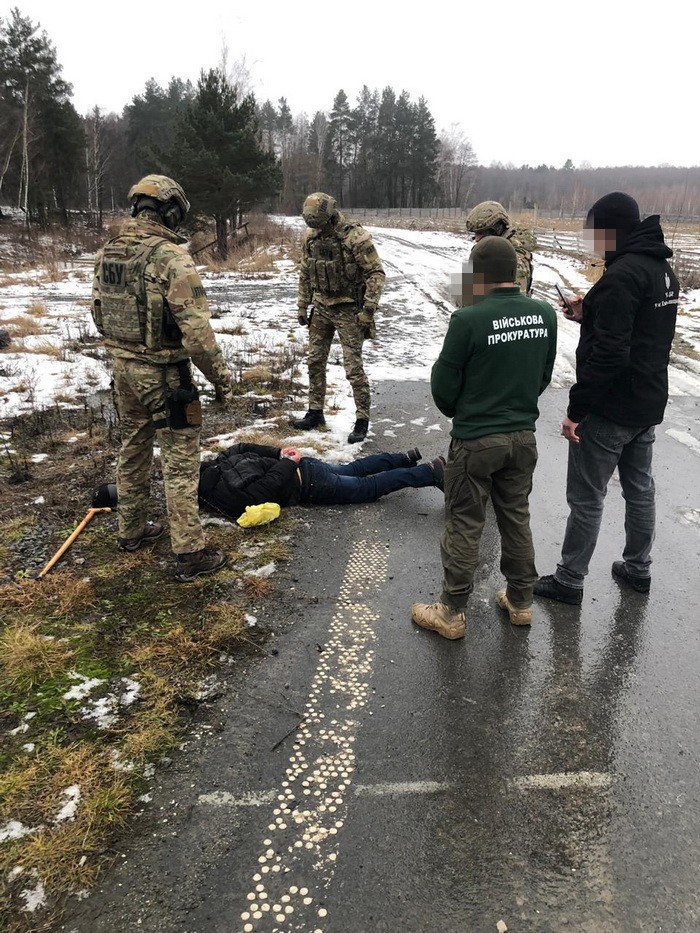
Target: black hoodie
(629, 318)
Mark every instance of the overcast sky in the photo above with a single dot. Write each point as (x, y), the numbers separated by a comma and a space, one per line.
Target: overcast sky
(529, 82)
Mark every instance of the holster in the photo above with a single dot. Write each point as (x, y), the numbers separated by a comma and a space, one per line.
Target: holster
(184, 407)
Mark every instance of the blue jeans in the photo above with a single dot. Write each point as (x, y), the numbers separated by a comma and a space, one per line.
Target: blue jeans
(604, 446)
(363, 480)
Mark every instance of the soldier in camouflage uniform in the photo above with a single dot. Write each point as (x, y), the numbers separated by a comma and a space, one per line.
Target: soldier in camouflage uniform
(491, 219)
(149, 304)
(342, 278)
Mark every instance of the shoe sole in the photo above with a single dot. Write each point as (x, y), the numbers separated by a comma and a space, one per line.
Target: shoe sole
(181, 578)
(502, 603)
(438, 631)
(640, 585)
(560, 599)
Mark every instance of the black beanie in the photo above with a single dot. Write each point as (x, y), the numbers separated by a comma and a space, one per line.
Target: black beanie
(495, 258)
(615, 211)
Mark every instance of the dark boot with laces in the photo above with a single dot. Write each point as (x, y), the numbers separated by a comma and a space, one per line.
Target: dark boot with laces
(551, 588)
(151, 532)
(359, 432)
(312, 419)
(196, 564)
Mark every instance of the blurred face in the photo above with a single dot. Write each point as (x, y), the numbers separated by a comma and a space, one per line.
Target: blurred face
(600, 242)
(466, 285)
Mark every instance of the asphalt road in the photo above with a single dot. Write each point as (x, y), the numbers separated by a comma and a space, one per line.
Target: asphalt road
(546, 778)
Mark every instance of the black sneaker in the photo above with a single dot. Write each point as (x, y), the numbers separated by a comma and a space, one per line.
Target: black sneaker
(640, 584)
(190, 566)
(151, 532)
(359, 432)
(312, 419)
(551, 588)
(414, 455)
(438, 465)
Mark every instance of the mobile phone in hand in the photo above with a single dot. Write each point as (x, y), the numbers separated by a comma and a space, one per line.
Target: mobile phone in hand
(566, 303)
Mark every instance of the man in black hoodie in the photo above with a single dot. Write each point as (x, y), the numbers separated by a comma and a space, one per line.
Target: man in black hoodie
(627, 324)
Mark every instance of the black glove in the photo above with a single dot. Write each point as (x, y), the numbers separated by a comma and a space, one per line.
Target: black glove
(366, 321)
(303, 317)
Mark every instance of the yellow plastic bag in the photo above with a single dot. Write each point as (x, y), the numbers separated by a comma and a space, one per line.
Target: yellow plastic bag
(259, 514)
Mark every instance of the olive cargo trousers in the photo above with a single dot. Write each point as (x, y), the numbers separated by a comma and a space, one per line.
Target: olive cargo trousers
(499, 467)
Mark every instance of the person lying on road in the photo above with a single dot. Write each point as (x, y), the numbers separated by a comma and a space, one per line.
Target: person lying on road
(250, 474)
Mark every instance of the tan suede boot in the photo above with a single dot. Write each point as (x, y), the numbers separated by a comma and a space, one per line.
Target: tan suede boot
(440, 618)
(517, 616)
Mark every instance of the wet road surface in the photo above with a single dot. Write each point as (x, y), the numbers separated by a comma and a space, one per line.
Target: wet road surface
(546, 778)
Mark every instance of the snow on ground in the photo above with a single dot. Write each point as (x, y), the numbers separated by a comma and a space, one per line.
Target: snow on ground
(257, 317)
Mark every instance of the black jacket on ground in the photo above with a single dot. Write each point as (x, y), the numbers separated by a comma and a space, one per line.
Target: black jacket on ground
(629, 318)
(247, 474)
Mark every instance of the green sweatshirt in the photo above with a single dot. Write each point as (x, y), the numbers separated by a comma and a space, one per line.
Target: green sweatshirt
(496, 361)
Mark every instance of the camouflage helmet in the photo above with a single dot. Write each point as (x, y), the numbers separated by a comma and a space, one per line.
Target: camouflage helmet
(487, 217)
(160, 188)
(319, 209)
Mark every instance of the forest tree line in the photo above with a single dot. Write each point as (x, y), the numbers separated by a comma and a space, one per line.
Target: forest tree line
(232, 153)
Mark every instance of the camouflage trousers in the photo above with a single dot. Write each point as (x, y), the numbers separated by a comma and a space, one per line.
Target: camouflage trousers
(324, 324)
(140, 392)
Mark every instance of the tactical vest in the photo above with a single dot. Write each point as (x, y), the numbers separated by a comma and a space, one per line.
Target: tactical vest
(131, 308)
(332, 271)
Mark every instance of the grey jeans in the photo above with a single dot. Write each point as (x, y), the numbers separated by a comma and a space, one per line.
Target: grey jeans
(605, 445)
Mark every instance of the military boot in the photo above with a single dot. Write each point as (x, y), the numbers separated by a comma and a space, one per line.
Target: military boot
(517, 616)
(359, 432)
(440, 618)
(151, 532)
(312, 419)
(190, 566)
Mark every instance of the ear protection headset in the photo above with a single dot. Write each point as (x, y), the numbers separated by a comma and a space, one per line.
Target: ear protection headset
(170, 212)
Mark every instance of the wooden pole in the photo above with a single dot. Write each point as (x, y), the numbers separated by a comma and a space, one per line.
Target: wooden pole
(67, 543)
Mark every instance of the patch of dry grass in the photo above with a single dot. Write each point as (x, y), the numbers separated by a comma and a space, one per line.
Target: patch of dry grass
(277, 550)
(33, 792)
(257, 374)
(256, 588)
(46, 347)
(232, 330)
(28, 658)
(22, 325)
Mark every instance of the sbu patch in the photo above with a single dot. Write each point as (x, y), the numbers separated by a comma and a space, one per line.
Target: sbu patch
(198, 291)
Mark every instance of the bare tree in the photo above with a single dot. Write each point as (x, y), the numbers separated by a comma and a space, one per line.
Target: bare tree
(457, 166)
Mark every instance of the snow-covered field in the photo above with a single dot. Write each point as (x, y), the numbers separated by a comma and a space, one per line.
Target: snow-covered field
(57, 360)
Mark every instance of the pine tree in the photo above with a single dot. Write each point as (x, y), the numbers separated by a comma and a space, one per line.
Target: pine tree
(152, 119)
(219, 158)
(423, 155)
(340, 143)
(42, 126)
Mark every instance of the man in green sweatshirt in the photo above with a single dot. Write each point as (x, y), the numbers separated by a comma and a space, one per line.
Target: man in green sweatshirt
(496, 360)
